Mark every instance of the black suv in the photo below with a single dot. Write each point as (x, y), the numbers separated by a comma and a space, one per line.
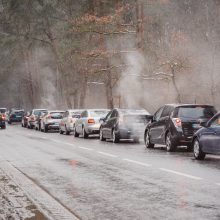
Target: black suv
(175, 124)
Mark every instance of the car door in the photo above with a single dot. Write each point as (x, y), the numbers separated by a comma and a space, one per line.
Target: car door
(210, 137)
(105, 124)
(111, 123)
(156, 127)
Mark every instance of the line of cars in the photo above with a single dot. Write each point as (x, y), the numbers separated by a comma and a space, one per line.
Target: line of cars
(195, 126)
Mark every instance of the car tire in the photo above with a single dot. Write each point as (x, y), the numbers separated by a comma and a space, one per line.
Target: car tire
(115, 137)
(101, 138)
(9, 122)
(197, 151)
(22, 125)
(3, 127)
(147, 142)
(45, 129)
(66, 131)
(84, 134)
(75, 134)
(60, 130)
(170, 144)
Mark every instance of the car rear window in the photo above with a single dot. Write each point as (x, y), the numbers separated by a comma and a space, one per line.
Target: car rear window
(20, 113)
(196, 112)
(56, 115)
(37, 112)
(98, 113)
(2, 110)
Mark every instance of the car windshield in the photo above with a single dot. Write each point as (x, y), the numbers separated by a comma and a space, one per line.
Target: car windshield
(98, 113)
(2, 110)
(196, 112)
(37, 112)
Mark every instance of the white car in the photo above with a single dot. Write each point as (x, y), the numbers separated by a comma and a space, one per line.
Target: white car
(33, 116)
(51, 120)
(68, 121)
(89, 122)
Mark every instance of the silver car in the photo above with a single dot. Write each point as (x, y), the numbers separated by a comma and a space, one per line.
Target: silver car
(89, 122)
(68, 121)
(51, 120)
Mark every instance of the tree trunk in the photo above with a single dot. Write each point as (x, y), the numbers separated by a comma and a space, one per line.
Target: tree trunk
(175, 85)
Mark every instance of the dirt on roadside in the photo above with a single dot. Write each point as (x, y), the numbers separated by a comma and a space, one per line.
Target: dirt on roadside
(14, 204)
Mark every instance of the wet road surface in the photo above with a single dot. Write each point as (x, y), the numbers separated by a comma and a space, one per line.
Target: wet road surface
(89, 179)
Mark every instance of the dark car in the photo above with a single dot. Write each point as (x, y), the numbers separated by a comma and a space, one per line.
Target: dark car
(175, 124)
(207, 139)
(24, 120)
(2, 121)
(124, 124)
(16, 116)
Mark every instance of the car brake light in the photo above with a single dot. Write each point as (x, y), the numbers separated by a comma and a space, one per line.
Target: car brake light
(91, 121)
(177, 122)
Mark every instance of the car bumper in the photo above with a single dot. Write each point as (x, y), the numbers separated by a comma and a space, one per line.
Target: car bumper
(126, 133)
(2, 123)
(93, 129)
(53, 126)
(182, 139)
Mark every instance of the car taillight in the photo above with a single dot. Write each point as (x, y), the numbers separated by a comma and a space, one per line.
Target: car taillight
(91, 121)
(177, 122)
(32, 118)
(48, 117)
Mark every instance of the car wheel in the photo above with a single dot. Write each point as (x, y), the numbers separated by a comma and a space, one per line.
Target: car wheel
(45, 129)
(85, 135)
(61, 132)
(148, 144)
(170, 145)
(22, 125)
(75, 134)
(197, 151)
(3, 127)
(115, 137)
(66, 131)
(101, 135)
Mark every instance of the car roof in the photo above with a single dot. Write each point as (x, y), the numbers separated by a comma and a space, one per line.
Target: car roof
(97, 109)
(39, 109)
(132, 111)
(75, 110)
(56, 111)
(175, 105)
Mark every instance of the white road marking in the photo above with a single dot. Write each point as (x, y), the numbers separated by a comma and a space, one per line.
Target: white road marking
(107, 154)
(181, 174)
(137, 162)
(57, 141)
(85, 148)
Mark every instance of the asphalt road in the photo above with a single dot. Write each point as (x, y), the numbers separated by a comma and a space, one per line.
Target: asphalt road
(89, 179)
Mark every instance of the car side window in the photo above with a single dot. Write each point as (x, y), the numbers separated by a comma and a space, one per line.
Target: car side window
(108, 116)
(166, 111)
(158, 114)
(114, 114)
(215, 123)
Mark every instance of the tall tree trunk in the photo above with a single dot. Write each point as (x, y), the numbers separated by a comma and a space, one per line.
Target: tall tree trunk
(175, 85)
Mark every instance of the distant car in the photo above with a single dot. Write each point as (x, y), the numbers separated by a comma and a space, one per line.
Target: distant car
(68, 120)
(37, 123)
(32, 117)
(4, 112)
(51, 120)
(2, 121)
(15, 116)
(175, 124)
(89, 122)
(124, 124)
(207, 139)
(24, 120)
